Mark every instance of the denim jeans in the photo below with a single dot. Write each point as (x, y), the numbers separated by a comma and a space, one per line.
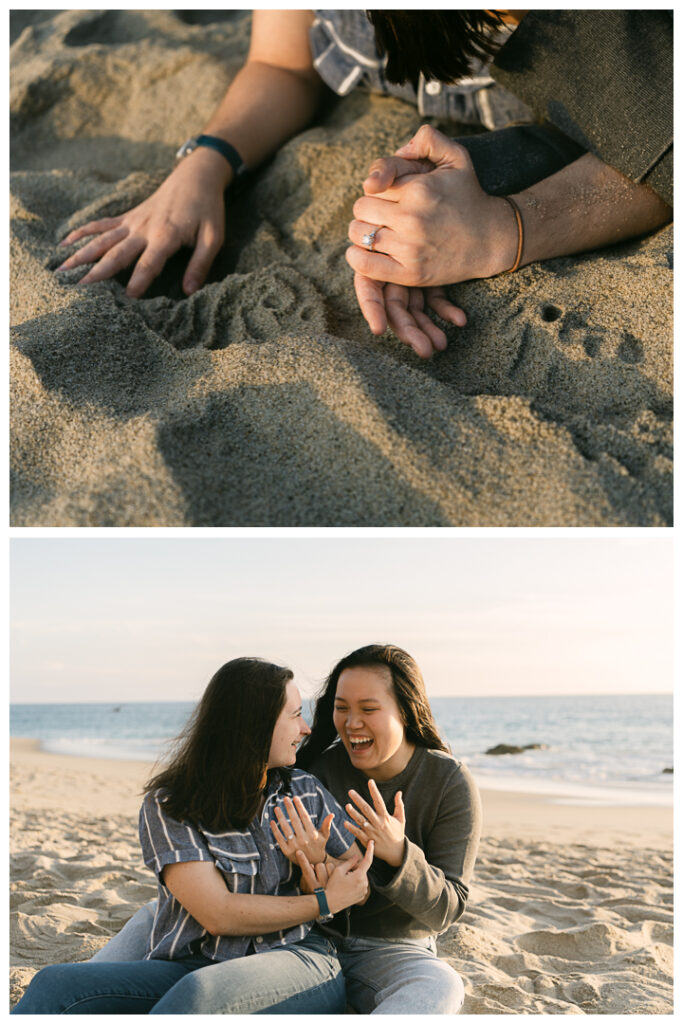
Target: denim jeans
(398, 976)
(287, 980)
(382, 976)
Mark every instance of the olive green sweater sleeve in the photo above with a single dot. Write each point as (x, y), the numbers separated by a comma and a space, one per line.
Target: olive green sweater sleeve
(432, 884)
(605, 79)
(428, 892)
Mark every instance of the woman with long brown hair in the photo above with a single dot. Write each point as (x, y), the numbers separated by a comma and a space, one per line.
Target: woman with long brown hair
(374, 744)
(226, 892)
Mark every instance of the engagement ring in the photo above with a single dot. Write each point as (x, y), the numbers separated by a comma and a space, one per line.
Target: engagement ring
(369, 240)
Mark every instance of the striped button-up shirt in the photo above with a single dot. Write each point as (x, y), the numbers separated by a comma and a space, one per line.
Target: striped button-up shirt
(249, 860)
(345, 56)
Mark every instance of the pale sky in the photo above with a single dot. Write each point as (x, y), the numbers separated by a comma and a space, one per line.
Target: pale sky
(152, 619)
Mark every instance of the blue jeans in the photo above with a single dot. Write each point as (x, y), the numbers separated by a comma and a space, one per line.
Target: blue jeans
(382, 976)
(398, 976)
(285, 980)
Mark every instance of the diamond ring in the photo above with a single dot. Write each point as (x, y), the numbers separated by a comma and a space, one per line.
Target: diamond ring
(369, 240)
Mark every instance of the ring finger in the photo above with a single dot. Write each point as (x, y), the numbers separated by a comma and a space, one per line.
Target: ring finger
(359, 819)
(357, 832)
(383, 238)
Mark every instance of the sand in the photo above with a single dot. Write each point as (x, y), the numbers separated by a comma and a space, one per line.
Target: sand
(263, 399)
(571, 910)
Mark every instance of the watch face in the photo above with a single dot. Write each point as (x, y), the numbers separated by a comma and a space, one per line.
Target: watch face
(186, 148)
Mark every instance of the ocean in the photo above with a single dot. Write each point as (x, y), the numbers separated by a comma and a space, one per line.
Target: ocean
(600, 750)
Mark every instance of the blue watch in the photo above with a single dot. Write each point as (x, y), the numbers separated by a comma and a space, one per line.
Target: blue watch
(325, 913)
(220, 145)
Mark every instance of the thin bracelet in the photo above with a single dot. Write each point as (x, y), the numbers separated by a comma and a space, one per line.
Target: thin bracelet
(520, 232)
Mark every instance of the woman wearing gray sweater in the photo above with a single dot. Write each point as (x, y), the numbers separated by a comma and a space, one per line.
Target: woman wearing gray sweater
(375, 746)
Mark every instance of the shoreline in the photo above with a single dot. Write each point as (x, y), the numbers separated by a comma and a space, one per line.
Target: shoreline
(512, 813)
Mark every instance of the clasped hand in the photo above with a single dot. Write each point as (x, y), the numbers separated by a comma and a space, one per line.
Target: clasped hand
(345, 882)
(435, 226)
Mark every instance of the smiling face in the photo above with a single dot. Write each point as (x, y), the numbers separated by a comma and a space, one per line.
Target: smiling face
(289, 730)
(368, 720)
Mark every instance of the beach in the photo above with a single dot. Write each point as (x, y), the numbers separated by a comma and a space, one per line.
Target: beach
(263, 400)
(570, 911)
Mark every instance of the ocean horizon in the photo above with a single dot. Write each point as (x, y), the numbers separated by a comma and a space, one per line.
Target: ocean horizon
(594, 749)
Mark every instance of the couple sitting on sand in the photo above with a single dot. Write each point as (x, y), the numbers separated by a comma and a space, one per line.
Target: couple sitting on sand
(591, 164)
(271, 897)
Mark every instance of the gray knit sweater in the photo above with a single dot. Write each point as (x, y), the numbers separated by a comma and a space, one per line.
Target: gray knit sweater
(428, 892)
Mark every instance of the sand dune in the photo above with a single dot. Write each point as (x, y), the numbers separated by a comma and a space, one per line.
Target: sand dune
(563, 917)
(263, 399)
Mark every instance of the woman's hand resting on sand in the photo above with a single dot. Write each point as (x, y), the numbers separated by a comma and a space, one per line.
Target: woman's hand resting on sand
(404, 310)
(187, 209)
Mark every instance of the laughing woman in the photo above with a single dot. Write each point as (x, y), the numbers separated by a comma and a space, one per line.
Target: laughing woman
(374, 744)
(226, 891)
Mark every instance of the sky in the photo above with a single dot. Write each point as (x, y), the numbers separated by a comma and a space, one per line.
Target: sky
(102, 619)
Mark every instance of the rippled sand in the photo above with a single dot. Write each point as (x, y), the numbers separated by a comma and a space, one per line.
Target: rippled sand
(263, 399)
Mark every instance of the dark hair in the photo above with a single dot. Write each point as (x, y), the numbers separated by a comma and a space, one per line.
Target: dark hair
(218, 765)
(440, 44)
(409, 691)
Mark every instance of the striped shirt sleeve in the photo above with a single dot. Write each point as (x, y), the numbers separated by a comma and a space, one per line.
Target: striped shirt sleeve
(165, 840)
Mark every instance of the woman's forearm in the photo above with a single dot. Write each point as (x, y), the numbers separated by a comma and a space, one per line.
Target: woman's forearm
(246, 914)
(264, 106)
(585, 206)
(274, 96)
(436, 225)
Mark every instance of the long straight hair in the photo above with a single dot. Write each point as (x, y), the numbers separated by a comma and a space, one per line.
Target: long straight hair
(440, 44)
(409, 691)
(219, 764)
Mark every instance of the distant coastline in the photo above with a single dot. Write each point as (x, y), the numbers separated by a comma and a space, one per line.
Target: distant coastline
(599, 751)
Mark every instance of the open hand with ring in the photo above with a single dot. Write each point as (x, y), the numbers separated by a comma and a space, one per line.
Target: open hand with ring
(296, 832)
(375, 824)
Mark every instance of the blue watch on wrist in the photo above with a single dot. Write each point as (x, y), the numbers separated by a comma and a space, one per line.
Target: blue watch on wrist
(220, 145)
(325, 913)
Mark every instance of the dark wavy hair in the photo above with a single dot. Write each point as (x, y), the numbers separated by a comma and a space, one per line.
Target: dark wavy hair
(218, 765)
(409, 691)
(440, 44)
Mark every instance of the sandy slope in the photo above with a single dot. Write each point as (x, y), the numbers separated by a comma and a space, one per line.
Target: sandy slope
(263, 399)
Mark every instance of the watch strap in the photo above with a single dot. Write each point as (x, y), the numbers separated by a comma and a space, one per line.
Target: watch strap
(226, 150)
(324, 907)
